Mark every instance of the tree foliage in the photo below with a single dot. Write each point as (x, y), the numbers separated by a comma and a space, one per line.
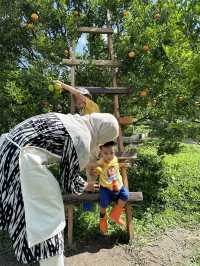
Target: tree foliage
(164, 71)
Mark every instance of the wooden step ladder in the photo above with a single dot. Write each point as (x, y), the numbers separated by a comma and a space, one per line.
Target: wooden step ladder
(70, 200)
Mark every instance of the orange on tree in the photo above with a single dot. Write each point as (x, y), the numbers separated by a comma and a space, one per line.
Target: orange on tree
(34, 17)
(179, 98)
(58, 86)
(30, 26)
(125, 13)
(66, 52)
(144, 92)
(146, 48)
(131, 54)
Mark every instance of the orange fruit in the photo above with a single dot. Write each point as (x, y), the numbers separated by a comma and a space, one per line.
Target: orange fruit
(146, 48)
(30, 26)
(66, 53)
(144, 92)
(125, 13)
(179, 98)
(131, 54)
(57, 86)
(34, 17)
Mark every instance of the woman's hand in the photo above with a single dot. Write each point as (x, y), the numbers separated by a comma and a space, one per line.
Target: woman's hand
(91, 168)
(91, 186)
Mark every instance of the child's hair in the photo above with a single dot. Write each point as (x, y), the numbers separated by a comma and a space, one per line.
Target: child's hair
(108, 144)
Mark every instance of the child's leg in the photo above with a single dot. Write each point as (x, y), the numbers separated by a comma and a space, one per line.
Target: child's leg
(105, 199)
(118, 208)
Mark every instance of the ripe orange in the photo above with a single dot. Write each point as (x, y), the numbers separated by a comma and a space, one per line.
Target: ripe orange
(144, 92)
(131, 54)
(146, 48)
(125, 13)
(34, 17)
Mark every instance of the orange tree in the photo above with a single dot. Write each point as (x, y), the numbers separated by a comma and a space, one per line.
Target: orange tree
(156, 42)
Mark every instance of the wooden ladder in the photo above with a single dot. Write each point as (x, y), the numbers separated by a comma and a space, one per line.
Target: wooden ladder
(70, 200)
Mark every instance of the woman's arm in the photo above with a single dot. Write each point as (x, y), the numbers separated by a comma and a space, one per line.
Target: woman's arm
(79, 98)
(69, 88)
(70, 179)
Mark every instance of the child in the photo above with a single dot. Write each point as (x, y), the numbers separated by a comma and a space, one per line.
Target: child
(82, 99)
(111, 186)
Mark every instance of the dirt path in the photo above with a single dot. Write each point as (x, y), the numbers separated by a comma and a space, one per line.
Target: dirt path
(176, 247)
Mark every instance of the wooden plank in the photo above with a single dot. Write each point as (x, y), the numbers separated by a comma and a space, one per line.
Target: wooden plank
(132, 140)
(129, 219)
(95, 30)
(126, 156)
(108, 90)
(70, 224)
(72, 199)
(72, 103)
(74, 62)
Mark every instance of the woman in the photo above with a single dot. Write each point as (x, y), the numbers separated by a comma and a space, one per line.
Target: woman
(31, 207)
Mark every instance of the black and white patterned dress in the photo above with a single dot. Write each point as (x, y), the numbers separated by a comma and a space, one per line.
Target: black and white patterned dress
(45, 131)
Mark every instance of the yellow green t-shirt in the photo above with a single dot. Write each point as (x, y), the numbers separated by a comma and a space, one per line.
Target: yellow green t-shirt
(90, 107)
(110, 171)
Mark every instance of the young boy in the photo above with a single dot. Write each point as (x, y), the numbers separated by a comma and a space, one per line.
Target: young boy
(111, 186)
(82, 99)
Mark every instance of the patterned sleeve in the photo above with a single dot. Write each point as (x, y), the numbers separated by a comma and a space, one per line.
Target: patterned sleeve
(69, 170)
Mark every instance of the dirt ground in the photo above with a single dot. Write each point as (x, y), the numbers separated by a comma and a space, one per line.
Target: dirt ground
(177, 247)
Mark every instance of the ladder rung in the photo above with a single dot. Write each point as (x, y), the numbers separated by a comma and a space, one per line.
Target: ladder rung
(70, 199)
(131, 140)
(74, 62)
(95, 30)
(126, 156)
(126, 120)
(108, 90)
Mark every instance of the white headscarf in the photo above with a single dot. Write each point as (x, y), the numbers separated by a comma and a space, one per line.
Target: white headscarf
(89, 131)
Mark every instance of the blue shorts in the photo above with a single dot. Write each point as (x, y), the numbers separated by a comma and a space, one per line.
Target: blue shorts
(107, 196)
